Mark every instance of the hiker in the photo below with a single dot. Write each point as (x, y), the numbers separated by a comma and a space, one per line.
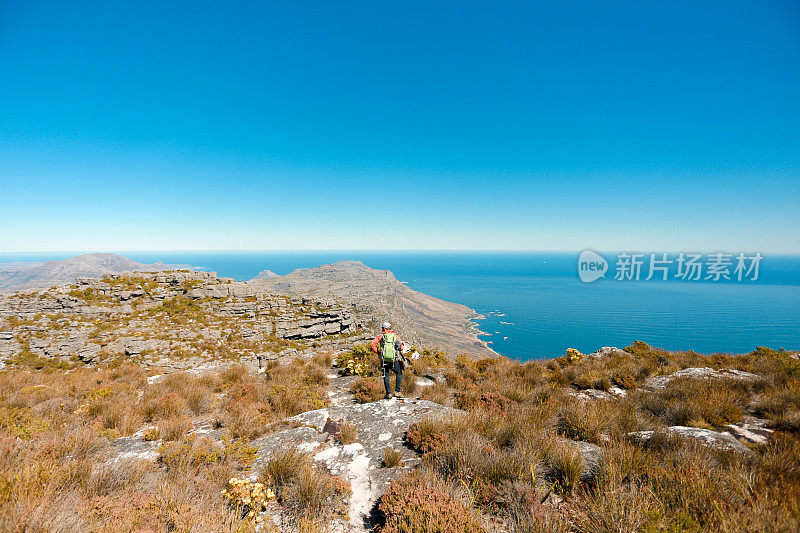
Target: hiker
(388, 346)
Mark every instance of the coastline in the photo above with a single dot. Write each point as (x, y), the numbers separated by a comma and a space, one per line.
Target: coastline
(377, 296)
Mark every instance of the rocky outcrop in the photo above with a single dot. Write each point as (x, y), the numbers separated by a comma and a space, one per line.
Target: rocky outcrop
(226, 316)
(751, 431)
(707, 437)
(380, 425)
(609, 351)
(266, 274)
(377, 296)
(136, 447)
(595, 394)
(661, 382)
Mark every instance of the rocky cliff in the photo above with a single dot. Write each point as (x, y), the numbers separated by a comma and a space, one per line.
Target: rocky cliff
(378, 295)
(175, 318)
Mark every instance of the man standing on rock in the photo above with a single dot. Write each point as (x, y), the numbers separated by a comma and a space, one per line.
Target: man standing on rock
(388, 346)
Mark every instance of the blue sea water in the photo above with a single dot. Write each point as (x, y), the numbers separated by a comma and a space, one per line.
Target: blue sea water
(536, 306)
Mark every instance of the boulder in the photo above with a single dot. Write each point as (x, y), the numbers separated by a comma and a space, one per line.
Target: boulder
(608, 350)
(216, 291)
(751, 431)
(661, 382)
(590, 394)
(380, 425)
(435, 377)
(135, 447)
(592, 456)
(136, 347)
(332, 327)
(707, 437)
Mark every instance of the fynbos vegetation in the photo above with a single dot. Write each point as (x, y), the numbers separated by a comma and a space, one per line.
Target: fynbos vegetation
(635, 440)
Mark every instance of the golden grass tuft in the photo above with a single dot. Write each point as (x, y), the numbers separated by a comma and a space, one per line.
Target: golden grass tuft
(392, 458)
(348, 433)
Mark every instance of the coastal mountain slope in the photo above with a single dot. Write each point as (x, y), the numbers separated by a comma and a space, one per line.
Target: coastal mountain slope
(53, 273)
(419, 318)
(266, 274)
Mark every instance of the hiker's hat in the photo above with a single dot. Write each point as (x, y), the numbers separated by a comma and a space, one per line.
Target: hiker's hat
(386, 325)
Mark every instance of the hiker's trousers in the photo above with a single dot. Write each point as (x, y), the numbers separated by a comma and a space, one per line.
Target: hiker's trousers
(388, 368)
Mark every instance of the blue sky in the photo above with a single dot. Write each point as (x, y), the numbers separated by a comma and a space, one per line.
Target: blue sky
(413, 125)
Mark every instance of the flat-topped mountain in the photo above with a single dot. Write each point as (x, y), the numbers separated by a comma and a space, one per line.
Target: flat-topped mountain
(418, 317)
(50, 273)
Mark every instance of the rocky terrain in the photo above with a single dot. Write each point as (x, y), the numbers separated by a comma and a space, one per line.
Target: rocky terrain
(306, 444)
(372, 295)
(181, 401)
(171, 318)
(419, 318)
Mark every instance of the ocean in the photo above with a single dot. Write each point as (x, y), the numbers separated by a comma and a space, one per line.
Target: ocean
(536, 306)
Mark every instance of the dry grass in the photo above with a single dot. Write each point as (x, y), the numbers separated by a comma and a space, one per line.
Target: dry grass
(348, 433)
(437, 393)
(408, 387)
(282, 468)
(174, 427)
(699, 403)
(57, 428)
(515, 443)
(366, 390)
(502, 457)
(308, 493)
(392, 458)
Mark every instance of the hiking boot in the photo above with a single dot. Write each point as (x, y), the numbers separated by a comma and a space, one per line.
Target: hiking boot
(387, 396)
(398, 395)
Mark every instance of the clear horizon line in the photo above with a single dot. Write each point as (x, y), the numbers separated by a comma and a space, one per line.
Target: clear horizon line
(393, 250)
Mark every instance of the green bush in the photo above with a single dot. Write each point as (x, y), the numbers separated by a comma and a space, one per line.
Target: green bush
(359, 361)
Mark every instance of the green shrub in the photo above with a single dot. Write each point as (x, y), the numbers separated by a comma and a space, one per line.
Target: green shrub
(638, 348)
(360, 361)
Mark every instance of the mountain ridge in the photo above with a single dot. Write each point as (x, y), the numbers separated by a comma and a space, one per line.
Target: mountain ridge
(420, 318)
(93, 265)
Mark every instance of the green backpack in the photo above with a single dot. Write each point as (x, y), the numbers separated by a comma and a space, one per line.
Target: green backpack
(388, 352)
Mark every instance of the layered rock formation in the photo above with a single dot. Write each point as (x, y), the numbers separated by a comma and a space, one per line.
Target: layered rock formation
(376, 294)
(167, 316)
